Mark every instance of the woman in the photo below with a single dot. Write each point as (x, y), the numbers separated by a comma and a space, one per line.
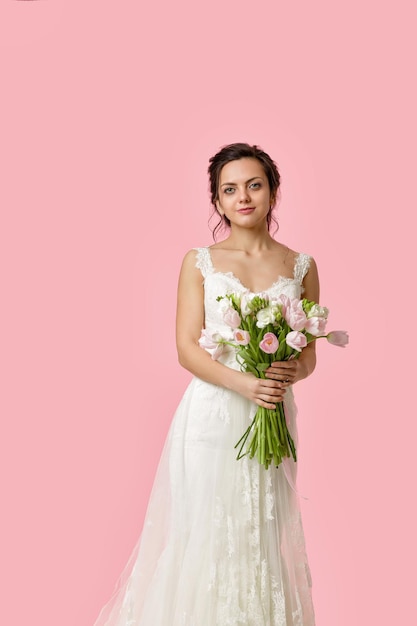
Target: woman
(222, 543)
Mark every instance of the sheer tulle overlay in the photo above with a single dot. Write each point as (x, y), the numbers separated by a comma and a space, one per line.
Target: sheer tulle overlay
(222, 543)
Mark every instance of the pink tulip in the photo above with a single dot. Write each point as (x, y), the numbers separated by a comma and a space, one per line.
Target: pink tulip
(212, 340)
(338, 338)
(316, 326)
(285, 304)
(295, 316)
(242, 337)
(296, 340)
(209, 339)
(231, 317)
(218, 351)
(293, 312)
(269, 343)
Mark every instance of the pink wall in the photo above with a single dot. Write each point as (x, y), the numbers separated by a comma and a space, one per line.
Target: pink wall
(109, 113)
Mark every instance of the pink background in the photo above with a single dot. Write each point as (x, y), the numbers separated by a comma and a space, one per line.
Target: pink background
(109, 113)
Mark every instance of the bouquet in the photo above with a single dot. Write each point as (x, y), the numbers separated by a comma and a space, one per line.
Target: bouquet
(265, 330)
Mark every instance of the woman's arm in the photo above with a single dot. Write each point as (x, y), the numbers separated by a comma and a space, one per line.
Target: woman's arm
(300, 368)
(190, 321)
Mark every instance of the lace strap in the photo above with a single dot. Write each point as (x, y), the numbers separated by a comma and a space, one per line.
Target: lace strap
(301, 266)
(203, 261)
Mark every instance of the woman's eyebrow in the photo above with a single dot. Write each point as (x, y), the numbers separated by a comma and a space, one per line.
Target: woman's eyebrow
(248, 181)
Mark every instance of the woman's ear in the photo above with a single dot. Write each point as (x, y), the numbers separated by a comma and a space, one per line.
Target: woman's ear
(219, 209)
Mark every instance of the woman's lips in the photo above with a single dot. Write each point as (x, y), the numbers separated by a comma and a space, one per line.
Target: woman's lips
(247, 210)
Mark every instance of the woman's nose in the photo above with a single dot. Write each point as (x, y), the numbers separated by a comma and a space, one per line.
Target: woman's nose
(244, 194)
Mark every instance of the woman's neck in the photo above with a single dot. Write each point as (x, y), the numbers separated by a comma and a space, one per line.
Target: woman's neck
(249, 241)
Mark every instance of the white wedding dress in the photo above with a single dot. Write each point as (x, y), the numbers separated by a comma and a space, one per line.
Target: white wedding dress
(222, 542)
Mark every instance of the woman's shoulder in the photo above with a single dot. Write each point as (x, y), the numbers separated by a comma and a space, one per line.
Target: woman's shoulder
(293, 258)
(306, 273)
(299, 264)
(193, 254)
(197, 261)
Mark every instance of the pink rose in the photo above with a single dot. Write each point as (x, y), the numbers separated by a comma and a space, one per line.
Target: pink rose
(231, 317)
(316, 326)
(338, 338)
(269, 343)
(242, 337)
(296, 340)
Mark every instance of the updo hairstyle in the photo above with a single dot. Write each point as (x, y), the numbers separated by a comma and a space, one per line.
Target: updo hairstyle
(234, 152)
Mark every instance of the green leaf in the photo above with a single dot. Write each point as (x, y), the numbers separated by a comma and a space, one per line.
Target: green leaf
(244, 354)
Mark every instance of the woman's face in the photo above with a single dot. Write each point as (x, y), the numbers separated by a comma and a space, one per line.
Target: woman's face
(244, 196)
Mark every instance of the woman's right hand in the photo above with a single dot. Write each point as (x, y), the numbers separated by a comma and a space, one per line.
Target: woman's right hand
(263, 391)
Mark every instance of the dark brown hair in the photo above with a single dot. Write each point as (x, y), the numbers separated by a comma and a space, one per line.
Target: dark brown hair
(233, 152)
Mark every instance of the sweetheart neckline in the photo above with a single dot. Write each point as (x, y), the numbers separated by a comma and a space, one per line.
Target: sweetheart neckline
(254, 293)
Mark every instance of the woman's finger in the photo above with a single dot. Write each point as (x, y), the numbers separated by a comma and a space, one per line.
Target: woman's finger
(283, 377)
(284, 371)
(265, 402)
(273, 392)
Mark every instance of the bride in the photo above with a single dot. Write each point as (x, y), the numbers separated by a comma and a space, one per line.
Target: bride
(222, 542)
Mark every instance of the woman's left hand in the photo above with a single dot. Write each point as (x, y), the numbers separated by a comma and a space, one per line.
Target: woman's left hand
(284, 371)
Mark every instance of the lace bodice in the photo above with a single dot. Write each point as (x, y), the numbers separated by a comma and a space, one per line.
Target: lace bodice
(219, 283)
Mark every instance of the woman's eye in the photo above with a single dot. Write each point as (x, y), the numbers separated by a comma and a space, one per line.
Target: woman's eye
(229, 190)
(255, 185)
